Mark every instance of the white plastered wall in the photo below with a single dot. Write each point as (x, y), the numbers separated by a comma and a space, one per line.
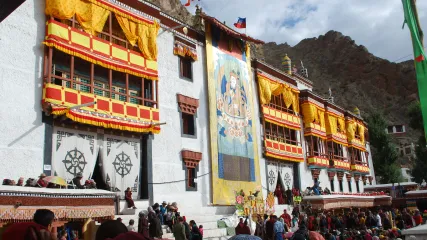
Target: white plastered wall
(21, 61)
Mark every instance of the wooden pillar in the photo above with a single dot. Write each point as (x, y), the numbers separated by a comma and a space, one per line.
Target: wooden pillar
(331, 175)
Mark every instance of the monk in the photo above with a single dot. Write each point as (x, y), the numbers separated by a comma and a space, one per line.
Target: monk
(279, 194)
(128, 198)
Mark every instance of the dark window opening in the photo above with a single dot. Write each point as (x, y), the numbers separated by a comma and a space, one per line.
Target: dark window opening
(332, 185)
(191, 175)
(341, 186)
(335, 151)
(390, 129)
(185, 68)
(314, 146)
(278, 103)
(408, 150)
(357, 187)
(72, 72)
(188, 125)
(349, 186)
(280, 134)
(399, 128)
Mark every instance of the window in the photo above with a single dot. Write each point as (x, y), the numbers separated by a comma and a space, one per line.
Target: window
(335, 151)
(72, 72)
(349, 186)
(314, 145)
(399, 128)
(191, 175)
(341, 186)
(185, 68)
(408, 150)
(390, 129)
(357, 187)
(280, 134)
(278, 103)
(356, 156)
(332, 185)
(188, 124)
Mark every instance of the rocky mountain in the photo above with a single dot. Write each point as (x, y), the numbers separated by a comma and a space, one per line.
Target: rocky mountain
(356, 77)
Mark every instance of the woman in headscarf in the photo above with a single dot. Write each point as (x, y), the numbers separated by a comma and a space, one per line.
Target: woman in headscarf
(155, 229)
(143, 225)
(195, 233)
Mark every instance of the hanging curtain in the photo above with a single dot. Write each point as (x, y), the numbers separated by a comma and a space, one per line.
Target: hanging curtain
(73, 152)
(332, 123)
(362, 133)
(91, 17)
(147, 40)
(272, 175)
(288, 96)
(321, 116)
(295, 102)
(61, 9)
(129, 28)
(351, 128)
(286, 174)
(268, 88)
(144, 33)
(341, 123)
(309, 113)
(121, 163)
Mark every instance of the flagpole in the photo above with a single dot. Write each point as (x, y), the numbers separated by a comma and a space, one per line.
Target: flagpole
(417, 20)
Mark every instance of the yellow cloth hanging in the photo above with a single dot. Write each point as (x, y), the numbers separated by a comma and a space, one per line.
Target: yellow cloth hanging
(332, 124)
(295, 102)
(268, 88)
(362, 133)
(91, 17)
(147, 40)
(341, 123)
(309, 113)
(61, 9)
(129, 28)
(321, 114)
(288, 96)
(351, 128)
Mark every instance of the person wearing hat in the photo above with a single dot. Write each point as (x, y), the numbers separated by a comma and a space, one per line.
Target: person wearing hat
(76, 181)
(162, 212)
(41, 182)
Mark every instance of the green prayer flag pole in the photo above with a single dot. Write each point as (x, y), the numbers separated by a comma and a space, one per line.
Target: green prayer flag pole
(411, 19)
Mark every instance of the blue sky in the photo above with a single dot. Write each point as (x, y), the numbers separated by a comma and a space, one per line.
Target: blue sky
(376, 24)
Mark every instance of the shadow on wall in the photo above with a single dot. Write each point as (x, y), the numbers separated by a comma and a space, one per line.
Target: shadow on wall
(38, 49)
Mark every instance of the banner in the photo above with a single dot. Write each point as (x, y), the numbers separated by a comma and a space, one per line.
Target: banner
(287, 175)
(272, 175)
(73, 152)
(234, 154)
(120, 161)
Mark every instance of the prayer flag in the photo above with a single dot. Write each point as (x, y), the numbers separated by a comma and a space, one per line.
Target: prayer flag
(241, 23)
(420, 62)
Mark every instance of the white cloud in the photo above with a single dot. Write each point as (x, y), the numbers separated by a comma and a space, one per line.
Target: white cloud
(376, 24)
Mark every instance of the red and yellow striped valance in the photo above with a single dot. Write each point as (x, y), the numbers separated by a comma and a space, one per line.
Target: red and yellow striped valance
(316, 161)
(107, 112)
(283, 151)
(98, 51)
(281, 118)
(184, 50)
(360, 168)
(92, 15)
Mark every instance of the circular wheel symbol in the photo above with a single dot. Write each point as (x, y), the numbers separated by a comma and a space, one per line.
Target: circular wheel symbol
(271, 177)
(122, 164)
(74, 162)
(287, 179)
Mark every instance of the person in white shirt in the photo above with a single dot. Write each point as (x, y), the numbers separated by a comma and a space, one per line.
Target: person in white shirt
(130, 227)
(378, 218)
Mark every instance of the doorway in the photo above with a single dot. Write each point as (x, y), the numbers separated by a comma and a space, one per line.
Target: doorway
(98, 176)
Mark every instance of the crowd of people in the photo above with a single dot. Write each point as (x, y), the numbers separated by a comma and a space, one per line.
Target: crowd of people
(148, 227)
(347, 224)
(41, 182)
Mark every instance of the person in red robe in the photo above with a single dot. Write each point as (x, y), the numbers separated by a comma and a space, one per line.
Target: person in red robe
(41, 182)
(243, 228)
(128, 198)
(286, 217)
(279, 194)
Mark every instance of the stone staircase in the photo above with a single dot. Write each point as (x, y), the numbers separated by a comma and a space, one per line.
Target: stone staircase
(207, 216)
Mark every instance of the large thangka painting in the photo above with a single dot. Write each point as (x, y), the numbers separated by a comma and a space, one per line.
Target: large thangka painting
(234, 152)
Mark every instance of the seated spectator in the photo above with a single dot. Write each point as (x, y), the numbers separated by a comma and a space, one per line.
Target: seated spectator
(76, 181)
(110, 229)
(6, 181)
(20, 181)
(130, 227)
(30, 182)
(41, 182)
(39, 229)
